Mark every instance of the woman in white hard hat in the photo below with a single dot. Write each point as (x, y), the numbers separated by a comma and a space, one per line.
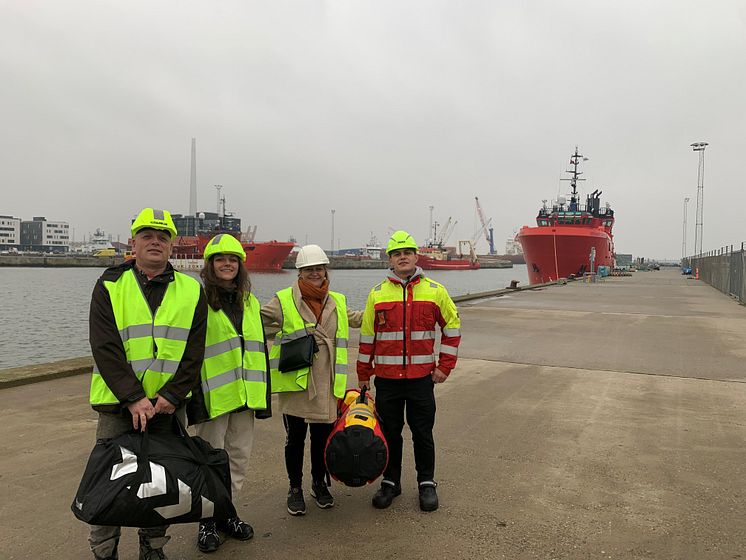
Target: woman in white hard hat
(234, 373)
(308, 396)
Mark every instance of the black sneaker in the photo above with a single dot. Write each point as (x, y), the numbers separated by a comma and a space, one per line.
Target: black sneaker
(208, 539)
(386, 494)
(296, 503)
(321, 494)
(236, 528)
(428, 496)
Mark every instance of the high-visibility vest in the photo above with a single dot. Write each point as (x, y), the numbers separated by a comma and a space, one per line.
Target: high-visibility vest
(153, 345)
(294, 327)
(231, 380)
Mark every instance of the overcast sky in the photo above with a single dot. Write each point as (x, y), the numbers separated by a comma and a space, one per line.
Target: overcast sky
(377, 109)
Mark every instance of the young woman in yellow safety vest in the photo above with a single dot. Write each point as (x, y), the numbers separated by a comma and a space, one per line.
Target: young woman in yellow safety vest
(308, 397)
(234, 376)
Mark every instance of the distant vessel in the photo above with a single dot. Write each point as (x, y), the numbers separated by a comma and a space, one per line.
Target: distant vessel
(266, 256)
(513, 250)
(570, 238)
(99, 241)
(372, 249)
(200, 227)
(437, 257)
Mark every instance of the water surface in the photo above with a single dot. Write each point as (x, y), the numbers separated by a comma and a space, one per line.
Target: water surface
(44, 311)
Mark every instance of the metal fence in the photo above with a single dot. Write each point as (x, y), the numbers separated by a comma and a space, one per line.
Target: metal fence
(724, 269)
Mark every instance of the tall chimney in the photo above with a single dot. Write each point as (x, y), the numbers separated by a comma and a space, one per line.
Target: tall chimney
(193, 181)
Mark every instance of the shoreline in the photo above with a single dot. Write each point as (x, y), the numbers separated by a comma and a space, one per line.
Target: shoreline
(34, 373)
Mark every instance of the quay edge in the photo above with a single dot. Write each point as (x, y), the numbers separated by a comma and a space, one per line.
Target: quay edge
(24, 375)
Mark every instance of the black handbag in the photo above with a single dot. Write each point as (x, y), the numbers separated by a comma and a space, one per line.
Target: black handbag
(297, 354)
(158, 477)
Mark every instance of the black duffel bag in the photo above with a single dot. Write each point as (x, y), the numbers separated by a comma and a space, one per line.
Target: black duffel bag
(158, 477)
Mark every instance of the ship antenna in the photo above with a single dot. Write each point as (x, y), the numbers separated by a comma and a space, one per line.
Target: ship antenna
(575, 160)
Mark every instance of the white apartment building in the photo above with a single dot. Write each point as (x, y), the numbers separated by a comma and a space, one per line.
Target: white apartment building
(10, 232)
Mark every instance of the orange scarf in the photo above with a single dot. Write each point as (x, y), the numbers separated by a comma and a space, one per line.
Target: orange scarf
(314, 297)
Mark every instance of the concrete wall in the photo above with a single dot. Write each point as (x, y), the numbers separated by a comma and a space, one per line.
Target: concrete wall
(58, 261)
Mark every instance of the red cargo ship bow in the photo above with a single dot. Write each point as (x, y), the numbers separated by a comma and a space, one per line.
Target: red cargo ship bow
(262, 256)
(570, 239)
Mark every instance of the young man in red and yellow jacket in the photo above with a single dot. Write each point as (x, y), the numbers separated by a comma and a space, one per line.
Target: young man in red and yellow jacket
(397, 345)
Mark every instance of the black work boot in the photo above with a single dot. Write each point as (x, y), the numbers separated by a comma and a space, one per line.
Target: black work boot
(386, 494)
(208, 539)
(428, 496)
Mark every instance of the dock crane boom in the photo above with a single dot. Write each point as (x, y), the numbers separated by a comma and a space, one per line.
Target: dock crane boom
(488, 232)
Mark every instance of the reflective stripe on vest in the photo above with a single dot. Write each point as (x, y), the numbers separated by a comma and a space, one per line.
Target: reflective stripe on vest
(153, 346)
(294, 327)
(229, 380)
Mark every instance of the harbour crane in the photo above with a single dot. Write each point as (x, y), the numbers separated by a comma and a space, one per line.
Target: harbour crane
(488, 231)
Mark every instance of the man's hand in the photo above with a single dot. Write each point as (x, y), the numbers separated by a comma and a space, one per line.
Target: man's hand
(164, 406)
(141, 411)
(438, 376)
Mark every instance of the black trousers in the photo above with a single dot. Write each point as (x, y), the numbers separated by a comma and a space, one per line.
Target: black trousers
(295, 429)
(415, 397)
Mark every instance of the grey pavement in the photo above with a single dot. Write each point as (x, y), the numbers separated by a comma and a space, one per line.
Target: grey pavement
(584, 421)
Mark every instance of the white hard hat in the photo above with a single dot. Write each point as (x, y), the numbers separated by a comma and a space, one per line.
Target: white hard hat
(311, 255)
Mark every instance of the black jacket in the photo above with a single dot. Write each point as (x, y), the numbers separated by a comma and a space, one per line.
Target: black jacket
(108, 350)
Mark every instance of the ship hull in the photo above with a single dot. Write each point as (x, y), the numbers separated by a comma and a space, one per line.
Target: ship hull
(562, 252)
(427, 263)
(266, 256)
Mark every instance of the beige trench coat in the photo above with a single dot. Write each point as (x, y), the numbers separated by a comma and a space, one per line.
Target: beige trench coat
(317, 404)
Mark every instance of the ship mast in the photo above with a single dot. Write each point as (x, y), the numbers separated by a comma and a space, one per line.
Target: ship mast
(575, 160)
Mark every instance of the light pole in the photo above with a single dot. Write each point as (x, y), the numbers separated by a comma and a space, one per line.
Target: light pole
(332, 245)
(699, 147)
(430, 231)
(683, 241)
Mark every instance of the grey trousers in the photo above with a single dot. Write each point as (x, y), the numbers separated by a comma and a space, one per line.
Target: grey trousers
(233, 432)
(105, 539)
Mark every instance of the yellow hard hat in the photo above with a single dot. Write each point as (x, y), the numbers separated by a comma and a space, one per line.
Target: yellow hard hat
(401, 240)
(226, 244)
(154, 219)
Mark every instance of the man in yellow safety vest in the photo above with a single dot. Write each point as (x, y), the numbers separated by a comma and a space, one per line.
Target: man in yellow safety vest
(147, 335)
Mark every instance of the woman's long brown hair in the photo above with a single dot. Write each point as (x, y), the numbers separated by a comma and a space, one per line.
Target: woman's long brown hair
(211, 283)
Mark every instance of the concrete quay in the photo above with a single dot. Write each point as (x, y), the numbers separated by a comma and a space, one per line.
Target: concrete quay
(602, 420)
(58, 261)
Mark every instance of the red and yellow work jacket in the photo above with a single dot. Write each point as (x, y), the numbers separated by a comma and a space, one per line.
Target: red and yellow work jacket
(397, 337)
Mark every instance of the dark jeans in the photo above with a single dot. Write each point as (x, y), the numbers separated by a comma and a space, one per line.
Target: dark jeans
(394, 397)
(295, 428)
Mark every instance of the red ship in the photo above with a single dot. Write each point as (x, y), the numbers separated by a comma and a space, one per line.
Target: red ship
(433, 258)
(266, 256)
(570, 239)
